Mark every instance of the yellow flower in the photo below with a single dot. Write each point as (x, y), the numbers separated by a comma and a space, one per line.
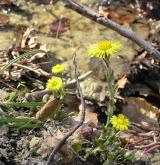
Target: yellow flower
(58, 69)
(55, 84)
(104, 48)
(120, 123)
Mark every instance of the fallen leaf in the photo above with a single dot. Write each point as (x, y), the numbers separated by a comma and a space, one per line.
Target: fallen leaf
(90, 115)
(121, 82)
(6, 3)
(120, 18)
(139, 111)
(4, 19)
(60, 25)
(49, 141)
(65, 154)
(25, 37)
(47, 109)
(103, 11)
(129, 18)
(72, 102)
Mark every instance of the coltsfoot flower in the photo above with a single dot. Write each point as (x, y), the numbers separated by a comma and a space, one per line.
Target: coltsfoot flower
(54, 84)
(104, 48)
(120, 122)
(58, 69)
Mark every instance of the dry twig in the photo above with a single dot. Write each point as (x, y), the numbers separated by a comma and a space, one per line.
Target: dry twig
(87, 12)
(39, 94)
(80, 78)
(148, 145)
(63, 140)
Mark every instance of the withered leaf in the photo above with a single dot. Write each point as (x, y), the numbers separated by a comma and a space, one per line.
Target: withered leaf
(121, 82)
(139, 111)
(4, 19)
(5, 3)
(60, 25)
(112, 14)
(66, 154)
(90, 115)
(25, 36)
(47, 109)
(72, 102)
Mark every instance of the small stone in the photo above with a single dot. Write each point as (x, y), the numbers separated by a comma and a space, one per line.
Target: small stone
(34, 142)
(4, 95)
(4, 130)
(92, 88)
(98, 67)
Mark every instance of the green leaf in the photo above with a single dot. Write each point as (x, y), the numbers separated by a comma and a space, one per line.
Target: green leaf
(22, 104)
(6, 120)
(97, 150)
(13, 96)
(77, 147)
(19, 123)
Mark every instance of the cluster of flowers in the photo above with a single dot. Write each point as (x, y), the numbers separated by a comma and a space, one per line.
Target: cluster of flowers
(55, 84)
(103, 49)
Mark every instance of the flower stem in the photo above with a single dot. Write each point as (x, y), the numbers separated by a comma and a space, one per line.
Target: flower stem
(111, 90)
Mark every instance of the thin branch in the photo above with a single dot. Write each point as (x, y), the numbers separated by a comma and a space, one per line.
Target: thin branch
(7, 85)
(42, 73)
(80, 78)
(147, 146)
(87, 12)
(64, 139)
(59, 25)
(39, 94)
(152, 149)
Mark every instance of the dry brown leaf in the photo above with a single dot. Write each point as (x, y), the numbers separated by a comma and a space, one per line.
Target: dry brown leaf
(66, 154)
(47, 109)
(90, 116)
(72, 102)
(47, 144)
(89, 124)
(4, 19)
(117, 17)
(129, 18)
(61, 25)
(142, 55)
(25, 37)
(121, 82)
(139, 111)
(5, 3)
(103, 11)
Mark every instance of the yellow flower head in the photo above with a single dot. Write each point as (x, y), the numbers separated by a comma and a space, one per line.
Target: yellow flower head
(58, 69)
(120, 122)
(104, 48)
(55, 84)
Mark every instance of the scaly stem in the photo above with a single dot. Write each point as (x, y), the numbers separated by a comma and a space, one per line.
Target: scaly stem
(111, 90)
